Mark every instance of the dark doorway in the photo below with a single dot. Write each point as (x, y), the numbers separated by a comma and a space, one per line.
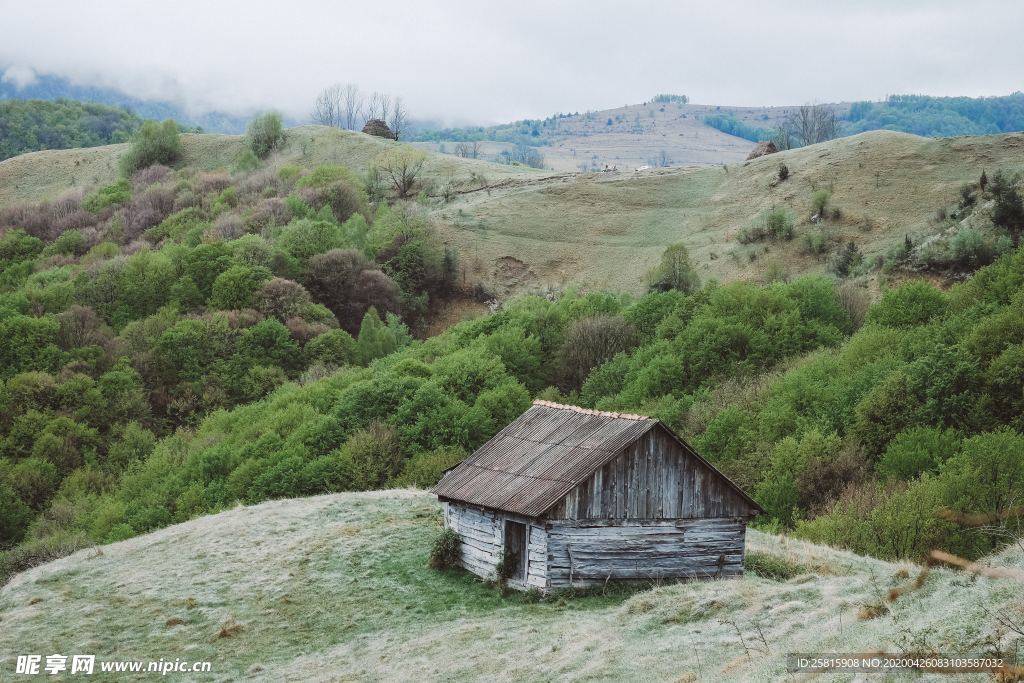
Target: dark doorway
(515, 551)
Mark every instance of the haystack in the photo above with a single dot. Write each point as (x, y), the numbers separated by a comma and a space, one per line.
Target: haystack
(762, 149)
(378, 128)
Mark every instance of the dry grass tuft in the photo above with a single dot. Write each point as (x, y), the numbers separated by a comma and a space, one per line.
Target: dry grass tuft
(229, 629)
(872, 610)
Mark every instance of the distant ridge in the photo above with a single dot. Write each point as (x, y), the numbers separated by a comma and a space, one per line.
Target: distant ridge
(52, 87)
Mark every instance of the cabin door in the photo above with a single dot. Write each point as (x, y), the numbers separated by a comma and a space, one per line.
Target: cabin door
(515, 551)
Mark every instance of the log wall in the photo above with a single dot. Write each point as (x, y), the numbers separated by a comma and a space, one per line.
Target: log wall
(483, 540)
(592, 553)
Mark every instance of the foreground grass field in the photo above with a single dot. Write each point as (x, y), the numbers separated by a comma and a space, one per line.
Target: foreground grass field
(336, 588)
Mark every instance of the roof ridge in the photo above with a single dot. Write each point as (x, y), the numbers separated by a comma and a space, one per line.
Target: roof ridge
(588, 411)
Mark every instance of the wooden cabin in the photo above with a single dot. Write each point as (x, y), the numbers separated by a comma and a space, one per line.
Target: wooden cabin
(566, 496)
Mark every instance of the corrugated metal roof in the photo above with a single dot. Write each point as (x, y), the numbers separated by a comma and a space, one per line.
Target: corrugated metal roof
(537, 459)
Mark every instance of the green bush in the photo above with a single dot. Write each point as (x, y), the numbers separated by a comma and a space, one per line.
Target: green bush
(153, 143)
(910, 304)
(819, 202)
(814, 242)
(674, 271)
(845, 260)
(778, 223)
(237, 286)
(773, 567)
(970, 249)
(917, 450)
(446, 551)
(334, 348)
(264, 134)
(116, 194)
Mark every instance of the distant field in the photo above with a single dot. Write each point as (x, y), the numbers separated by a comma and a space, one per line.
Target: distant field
(336, 588)
(649, 134)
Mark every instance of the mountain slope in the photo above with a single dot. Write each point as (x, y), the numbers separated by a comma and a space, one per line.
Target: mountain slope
(606, 230)
(336, 588)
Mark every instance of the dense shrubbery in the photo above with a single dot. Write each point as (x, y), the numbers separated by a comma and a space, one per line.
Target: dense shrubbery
(177, 294)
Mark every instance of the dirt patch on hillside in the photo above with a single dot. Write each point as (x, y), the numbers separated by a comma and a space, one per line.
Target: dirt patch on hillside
(510, 274)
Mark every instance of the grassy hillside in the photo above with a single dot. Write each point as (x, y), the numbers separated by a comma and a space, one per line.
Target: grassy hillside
(336, 588)
(604, 231)
(48, 174)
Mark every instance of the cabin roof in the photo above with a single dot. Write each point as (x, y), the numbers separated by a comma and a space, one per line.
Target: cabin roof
(543, 454)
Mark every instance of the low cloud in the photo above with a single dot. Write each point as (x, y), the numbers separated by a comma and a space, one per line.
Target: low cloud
(20, 76)
(463, 60)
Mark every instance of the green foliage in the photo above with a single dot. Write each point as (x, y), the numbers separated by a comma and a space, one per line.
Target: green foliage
(375, 339)
(334, 348)
(846, 260)
(674, 271)
(14, 517)
(110, 195)
(773, 567)
(820, 201)
(33, 125)
(305, 238)
(264, 134)
(152, 143)
(938, 116)
(446, 551)
(1008, 211)
(236, 287)
(776, 224)
(727, 123)
(814, 242)
(918, 450)
(912, 303)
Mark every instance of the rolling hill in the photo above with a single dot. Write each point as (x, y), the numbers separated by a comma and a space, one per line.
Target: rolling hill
(519, 229)
(606, 230)
(336, 588)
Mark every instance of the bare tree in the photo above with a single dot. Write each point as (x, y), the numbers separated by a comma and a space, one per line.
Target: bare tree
(399, 118)
(808, 125)
(353, 106)
(468, 150)
(401, 165)
(377, 107)
(328, 106)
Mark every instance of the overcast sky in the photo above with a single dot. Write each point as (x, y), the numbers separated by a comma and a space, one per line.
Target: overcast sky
(489, 62)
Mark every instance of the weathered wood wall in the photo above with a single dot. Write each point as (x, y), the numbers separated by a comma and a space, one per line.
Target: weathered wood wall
(591, 553)
(654, 478)
(483, 540)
